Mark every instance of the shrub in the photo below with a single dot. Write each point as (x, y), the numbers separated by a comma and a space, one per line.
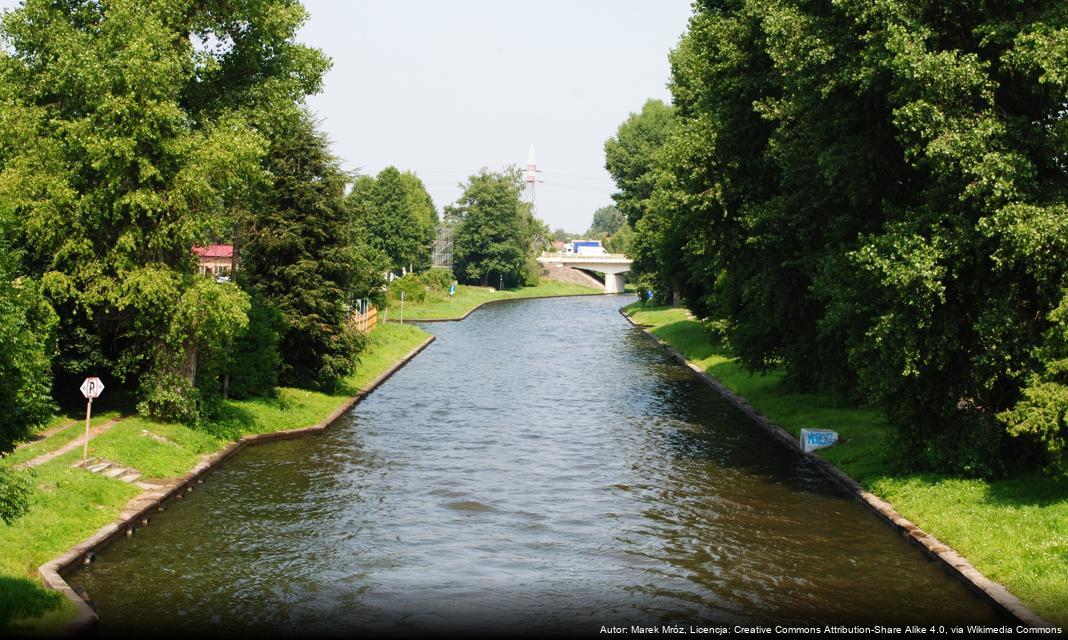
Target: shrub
(412, 285)
(253, 365)
(438, 279)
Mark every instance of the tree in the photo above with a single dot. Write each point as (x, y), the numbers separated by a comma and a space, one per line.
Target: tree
(495, 232)
(395, 216)
(302, 259)
(629, 157)
(27, 344)
(606, 220)
(632, 158)
(206, 318)
(253, 363)
(872, 197)
(621, 240)
(129, 138)
(1042, 412)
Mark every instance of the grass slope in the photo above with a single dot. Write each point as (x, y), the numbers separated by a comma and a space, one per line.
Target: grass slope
(438, 306)
(70, 504)
(1014, 530)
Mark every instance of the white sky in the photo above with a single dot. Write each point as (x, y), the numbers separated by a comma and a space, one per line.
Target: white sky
(443, 88)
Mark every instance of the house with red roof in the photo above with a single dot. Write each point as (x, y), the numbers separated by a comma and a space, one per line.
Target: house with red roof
(216, 259)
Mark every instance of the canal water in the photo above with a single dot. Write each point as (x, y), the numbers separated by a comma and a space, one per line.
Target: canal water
(542, 466)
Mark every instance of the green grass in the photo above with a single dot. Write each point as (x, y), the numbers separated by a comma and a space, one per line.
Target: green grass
(438, 306)
(71, 432)
(70, 504)
(1014, 530)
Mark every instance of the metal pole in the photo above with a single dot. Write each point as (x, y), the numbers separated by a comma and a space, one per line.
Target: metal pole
(85, 445)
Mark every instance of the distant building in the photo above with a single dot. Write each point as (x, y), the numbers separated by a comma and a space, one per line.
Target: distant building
(216, 260)
(558, 245)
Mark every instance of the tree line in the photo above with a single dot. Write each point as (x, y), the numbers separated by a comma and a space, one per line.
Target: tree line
(872, 195)
(134, 131)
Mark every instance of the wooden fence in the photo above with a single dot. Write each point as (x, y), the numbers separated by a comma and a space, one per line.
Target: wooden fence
(366, 320)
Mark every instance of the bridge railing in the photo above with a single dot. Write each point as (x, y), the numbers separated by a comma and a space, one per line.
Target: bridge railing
(585, 257)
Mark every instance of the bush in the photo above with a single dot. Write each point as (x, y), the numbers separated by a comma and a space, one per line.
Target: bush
(253, 365)
(438, 279)
(167, 395)
(411, 285)
(16, 488)
(531, 273)
(1042, 413)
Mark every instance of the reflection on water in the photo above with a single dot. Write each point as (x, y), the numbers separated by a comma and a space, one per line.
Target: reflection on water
(541, 466)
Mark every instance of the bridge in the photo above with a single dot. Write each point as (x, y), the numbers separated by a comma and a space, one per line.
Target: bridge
(612, 265)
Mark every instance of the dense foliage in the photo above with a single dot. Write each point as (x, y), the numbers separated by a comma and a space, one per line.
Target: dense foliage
(496, 235)
(27, 343)
(394, 215)
(129, 136)
(606, 220)
(252, 364)
(302, 258)
(631, 158)
(873, 196)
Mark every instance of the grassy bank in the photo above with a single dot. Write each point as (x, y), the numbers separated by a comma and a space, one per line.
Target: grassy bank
(1014, 530)
(439, 307)
(68, 504)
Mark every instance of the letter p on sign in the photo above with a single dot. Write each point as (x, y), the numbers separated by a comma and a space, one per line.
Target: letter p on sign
(92, 388)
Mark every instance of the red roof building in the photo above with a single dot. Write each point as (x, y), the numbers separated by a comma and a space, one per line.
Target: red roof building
(216, 259)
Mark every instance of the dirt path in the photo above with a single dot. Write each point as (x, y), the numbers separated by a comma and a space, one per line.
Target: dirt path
(70, 446)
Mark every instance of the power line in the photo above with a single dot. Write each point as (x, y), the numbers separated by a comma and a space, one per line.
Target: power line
(576, 187)
(573, 175)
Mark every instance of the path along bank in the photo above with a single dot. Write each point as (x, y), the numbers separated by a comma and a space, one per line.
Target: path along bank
(1013, 530)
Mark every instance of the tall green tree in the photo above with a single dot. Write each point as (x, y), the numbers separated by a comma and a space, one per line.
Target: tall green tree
(606, 220)
(632, 158)
(495, 233)
(873, 196)
(302, 259)
(128, 139)
(395, 216)
(629, 157)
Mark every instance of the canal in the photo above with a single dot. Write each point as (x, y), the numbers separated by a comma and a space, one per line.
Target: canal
(541, 466)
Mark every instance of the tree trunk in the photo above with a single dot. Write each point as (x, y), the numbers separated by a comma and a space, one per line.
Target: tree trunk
(189, 369)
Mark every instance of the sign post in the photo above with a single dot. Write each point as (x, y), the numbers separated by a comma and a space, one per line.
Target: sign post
(91, 388)
(402, 307)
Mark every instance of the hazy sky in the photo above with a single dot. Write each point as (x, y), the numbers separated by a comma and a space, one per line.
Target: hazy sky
(445, 88)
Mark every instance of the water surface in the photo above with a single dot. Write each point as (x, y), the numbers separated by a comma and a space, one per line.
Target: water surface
(542, 466)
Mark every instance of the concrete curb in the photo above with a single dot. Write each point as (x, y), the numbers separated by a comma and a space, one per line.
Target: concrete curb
(138, 510)
(951, 561)
(488, 302)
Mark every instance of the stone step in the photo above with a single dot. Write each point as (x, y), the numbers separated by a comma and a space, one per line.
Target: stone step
(97, 468)
(115, 472)
(88, 463)
(130, 476)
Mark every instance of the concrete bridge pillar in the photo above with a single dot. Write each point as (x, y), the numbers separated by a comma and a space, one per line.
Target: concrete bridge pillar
(613, 283)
